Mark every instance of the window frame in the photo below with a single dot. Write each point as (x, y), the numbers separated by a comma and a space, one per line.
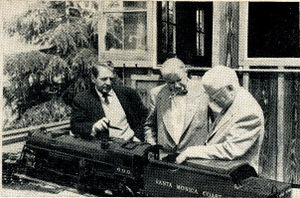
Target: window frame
(130, 58)
(244, 60)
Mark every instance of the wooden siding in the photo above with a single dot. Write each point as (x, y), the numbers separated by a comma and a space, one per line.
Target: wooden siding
(292, 128)
(263, 86)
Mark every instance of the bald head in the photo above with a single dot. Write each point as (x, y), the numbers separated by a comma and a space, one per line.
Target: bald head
(172, 69)
(221, 83)
(174, 73)
(219, 77)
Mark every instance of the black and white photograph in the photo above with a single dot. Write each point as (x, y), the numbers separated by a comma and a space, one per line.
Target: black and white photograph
(147, 98)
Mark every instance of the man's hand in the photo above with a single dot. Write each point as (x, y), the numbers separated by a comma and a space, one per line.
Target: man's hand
(100, 125)
(181, 158)
(149, 137)
(152, 142)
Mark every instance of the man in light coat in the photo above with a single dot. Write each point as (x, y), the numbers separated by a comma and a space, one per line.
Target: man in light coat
(237, 132)
(178, 111)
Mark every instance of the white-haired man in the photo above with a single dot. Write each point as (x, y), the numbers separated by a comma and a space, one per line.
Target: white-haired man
(178, 111)
(237, 133)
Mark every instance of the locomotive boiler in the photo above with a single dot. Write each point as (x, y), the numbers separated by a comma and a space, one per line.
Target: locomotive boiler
(90, 166)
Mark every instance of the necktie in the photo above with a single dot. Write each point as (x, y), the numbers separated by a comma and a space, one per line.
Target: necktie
(105, 97)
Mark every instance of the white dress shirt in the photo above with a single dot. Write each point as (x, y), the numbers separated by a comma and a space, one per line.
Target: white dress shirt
(115, 113)
(178, 107)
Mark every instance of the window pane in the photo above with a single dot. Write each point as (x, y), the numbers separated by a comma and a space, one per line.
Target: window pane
(114, 31)
(124, 5)
(168, 29)
(164, 38)
(273, 29)
(112, 5)
(171, 12)
(171, 5)
(126, 31)
(132, 5)
(164, 8)
(168, 12)
(200, 32)
(171, 39)
(135, 31)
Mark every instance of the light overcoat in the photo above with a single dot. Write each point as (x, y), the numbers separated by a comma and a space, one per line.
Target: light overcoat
(238, 135)
(158, 123)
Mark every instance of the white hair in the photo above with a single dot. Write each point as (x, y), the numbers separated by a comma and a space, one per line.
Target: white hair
(172, 66)
(219, 77)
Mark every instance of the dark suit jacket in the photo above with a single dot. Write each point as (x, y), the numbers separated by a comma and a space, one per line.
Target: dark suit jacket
(87, 109)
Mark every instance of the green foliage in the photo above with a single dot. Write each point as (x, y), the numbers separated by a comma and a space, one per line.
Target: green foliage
(32, 77)
(51, 111)
(34, 80)
(52, 23)
(16, 64)
(57, 70)
(80, 75)
(67, 37)
(82, 62)
(19, 69)
(37, 20)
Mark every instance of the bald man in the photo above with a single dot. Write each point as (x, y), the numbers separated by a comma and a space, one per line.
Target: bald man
(237, 133)
(178, 111)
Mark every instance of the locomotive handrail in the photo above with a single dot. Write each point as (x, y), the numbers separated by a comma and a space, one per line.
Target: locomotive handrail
(19, 135)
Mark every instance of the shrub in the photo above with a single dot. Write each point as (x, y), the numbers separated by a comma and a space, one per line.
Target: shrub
(54, 110)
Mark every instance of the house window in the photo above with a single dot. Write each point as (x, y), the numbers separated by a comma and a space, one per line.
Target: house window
(124, 32)
(146, 33)
(125, 26)
(273, 29)
(269, 34)
(184, 30)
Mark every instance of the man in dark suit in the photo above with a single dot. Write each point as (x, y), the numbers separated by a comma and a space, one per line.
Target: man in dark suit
(104, 105)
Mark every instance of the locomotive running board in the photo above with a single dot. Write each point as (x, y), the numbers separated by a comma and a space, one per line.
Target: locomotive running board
(58, 187)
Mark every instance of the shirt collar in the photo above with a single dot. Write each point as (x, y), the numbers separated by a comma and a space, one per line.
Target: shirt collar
(109, 94)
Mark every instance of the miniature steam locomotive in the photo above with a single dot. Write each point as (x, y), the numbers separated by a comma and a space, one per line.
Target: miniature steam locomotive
(134, 169)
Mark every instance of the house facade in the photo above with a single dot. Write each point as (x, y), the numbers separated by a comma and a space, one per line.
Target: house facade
(260, 40)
